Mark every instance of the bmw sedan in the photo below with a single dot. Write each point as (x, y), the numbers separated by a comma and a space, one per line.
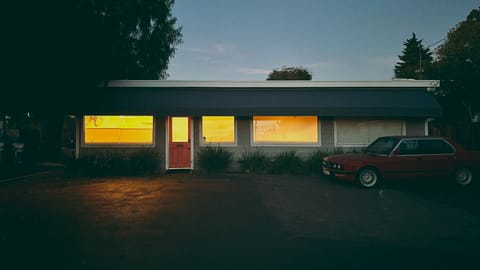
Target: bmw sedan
(401, 157)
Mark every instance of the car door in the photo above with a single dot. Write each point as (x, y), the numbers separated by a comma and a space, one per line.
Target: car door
(437, 157)
(405, 161)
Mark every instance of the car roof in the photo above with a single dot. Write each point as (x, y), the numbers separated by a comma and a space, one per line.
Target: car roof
(415, 137)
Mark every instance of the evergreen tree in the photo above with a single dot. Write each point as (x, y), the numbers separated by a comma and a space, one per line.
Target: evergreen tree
(414, 61)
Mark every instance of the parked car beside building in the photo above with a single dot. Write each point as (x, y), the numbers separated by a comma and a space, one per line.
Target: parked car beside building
(401, 157)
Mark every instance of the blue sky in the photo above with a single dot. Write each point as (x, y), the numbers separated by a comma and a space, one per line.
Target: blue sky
(334, 39)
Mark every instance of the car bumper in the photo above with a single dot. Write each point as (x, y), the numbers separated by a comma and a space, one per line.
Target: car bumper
(339, 174)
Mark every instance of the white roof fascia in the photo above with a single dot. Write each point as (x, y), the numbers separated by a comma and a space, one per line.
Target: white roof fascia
(272, 84)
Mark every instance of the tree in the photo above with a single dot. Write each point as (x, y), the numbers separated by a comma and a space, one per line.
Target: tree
(415, 59)
(89, 41)
(290, 73)
(458, 68)
(57, 51)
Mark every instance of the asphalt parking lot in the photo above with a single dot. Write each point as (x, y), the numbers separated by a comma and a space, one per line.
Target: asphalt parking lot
(189, 221)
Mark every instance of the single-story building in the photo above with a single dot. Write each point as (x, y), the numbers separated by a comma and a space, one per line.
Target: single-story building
(178, 118)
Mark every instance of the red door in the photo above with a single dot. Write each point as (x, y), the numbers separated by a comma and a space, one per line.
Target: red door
(179, 143)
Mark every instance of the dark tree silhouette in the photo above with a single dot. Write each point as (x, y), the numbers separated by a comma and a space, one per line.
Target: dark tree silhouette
(415, 59)
(458, 67)
(57, 51)
(290, 73)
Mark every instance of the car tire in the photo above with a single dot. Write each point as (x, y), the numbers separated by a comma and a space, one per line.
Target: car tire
(367, 177)
(463, 176)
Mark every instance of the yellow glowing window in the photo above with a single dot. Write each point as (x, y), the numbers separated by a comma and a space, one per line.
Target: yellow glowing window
(180, 129)
(218, 129)
(285, 129)
(118, 129)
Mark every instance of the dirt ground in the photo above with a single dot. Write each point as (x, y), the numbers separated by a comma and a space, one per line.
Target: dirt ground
(190, 221)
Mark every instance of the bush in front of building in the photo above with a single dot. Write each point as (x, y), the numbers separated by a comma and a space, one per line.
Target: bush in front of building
(145, 162)
(313, 163)
(255, 161)
(287, 163)
(214, 159)
(142, 162)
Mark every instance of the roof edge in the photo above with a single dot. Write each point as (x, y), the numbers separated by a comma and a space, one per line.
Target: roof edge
(406, 83)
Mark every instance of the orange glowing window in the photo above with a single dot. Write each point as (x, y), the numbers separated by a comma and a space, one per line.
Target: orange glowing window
(218, 129)
(285, 129)
(118, 129)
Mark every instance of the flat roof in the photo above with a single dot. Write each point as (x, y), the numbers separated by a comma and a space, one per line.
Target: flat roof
(395, 83)
(260, 98)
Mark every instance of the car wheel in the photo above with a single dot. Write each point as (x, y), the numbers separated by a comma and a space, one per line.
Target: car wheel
(367, 177)
(463, 176)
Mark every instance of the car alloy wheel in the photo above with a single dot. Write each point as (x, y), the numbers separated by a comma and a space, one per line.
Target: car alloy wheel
(367, 177)
(463, 176)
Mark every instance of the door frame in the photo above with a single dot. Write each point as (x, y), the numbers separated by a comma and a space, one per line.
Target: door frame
(167, 143)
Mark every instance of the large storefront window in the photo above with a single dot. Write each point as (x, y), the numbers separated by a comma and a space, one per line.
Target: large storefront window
(118, 129)
(358, 132)
(285, 130)
(218, 129)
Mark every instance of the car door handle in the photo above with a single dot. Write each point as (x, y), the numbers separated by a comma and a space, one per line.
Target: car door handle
(419, 158)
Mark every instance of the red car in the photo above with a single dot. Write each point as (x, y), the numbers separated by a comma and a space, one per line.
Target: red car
(401, 157)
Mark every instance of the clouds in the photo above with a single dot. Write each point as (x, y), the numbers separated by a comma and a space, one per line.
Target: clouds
(253, 71)
(231, 61)
(215, 49)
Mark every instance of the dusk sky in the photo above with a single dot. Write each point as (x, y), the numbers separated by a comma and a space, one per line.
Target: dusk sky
(334, 39)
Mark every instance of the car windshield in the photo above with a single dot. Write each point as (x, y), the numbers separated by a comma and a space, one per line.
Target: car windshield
(382, 146)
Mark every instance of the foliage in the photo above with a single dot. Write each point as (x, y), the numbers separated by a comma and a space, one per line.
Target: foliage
(86, 42)
(254, 162)
(414, 60)
(214, 159)
(287, 163)
(313, 164)
(50, 44)
(145, 162)
(458, 67)
(290, 73)
(142, 162)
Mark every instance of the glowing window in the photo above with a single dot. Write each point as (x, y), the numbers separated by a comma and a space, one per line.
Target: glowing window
(180, 129)
(285, 129)
(218, 129)
(118, 129)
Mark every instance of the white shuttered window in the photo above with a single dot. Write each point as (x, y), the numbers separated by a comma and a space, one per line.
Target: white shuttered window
(361, 132)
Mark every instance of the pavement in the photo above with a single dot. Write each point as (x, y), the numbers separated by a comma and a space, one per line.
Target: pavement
(235, 221)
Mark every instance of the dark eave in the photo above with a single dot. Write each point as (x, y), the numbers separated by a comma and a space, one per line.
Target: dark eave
(341, 100)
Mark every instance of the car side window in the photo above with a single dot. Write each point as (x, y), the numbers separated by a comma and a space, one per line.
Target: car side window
(408, 147)
(435, 146)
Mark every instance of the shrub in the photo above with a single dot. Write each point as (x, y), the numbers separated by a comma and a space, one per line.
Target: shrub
(254, 162)
(144, 162)
(287, 163)
(313, 164)
(214, 159)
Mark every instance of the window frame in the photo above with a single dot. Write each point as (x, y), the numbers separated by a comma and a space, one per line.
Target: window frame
(292, 144)
(117, 145)
(235, 133)
(425, 154)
